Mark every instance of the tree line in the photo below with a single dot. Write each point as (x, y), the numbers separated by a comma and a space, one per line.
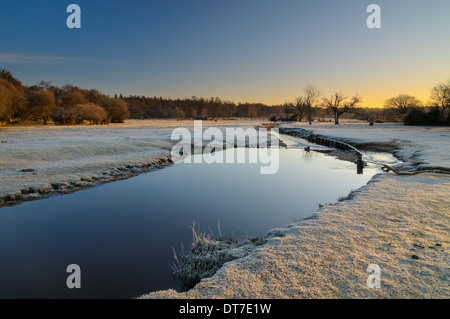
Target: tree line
(403, 107)
(62, 105)
(142, 107)
(71, 105)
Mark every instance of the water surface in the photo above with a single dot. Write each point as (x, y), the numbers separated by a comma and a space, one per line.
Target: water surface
(121, 234)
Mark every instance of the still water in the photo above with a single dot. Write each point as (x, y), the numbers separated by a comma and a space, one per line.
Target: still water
(121, 234)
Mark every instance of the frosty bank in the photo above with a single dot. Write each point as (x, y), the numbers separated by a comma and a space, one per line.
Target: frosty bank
(261, 148)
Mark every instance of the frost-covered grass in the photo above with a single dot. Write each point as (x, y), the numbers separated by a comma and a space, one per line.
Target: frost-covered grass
(421, 147)
(206, 254)
(37, 160)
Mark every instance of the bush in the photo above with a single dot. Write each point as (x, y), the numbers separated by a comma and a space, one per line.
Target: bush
(421, 117)
(65, 116)
(117, 109)
(90, 112)
(93, 113)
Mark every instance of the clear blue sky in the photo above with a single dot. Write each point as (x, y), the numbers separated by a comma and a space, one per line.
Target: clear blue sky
(240, 50)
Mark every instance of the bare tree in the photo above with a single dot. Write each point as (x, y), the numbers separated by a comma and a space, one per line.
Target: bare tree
(338, 103)
(403, 103)
(440, 95)
(44, 85)
(306, 104)
(299, 107)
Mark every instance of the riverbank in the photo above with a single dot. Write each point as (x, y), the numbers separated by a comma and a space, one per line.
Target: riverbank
(400, 223)
(423, 147)
(38, 161)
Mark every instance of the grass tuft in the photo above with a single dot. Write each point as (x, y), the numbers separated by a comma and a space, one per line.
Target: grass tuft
(207, 254)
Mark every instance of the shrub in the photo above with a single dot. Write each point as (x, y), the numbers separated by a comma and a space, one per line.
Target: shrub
(117, 109)
(421, 117)
(66, 116)
(93, 113)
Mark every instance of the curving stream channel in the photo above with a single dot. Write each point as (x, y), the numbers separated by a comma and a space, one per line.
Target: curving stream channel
(121, 234)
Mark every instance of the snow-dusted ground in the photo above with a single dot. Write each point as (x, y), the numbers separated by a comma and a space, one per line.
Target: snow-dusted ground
(420, 147)
(38, 160)
(400, 223)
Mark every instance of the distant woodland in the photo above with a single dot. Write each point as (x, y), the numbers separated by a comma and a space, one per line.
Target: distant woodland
(70, 105)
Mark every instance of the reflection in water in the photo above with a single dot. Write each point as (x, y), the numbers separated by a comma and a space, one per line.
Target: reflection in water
(308, 156)
(296, 142)
(121, 234)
